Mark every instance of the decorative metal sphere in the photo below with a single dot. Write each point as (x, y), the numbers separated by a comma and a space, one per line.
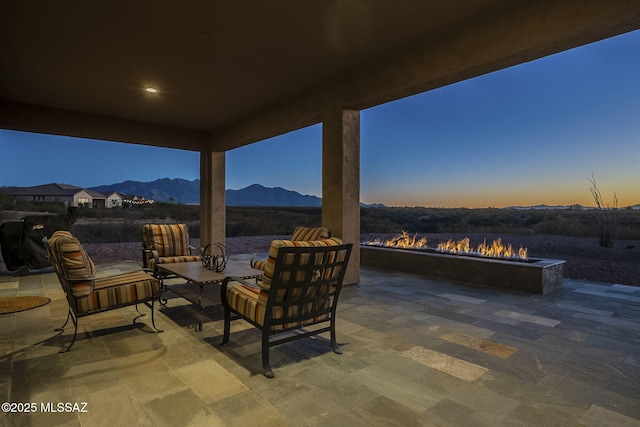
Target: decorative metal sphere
(215, 256)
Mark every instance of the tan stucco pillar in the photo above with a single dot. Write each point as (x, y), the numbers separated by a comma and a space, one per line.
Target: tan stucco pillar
(212, 197)
(341, 181)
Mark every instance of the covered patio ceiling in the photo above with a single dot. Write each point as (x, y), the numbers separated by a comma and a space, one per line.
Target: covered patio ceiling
(232, 73)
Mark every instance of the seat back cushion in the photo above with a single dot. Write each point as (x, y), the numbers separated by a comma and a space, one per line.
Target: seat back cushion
(277, 244)
(310, 233)
(70, 258)
(301, 233)
(167, 239)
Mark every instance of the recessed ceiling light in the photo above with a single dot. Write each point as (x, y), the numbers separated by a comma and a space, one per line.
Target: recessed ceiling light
(151, 90)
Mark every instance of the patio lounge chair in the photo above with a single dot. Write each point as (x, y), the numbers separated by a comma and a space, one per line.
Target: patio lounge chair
(89, 292)
(300, 288)
(302, 234)
(164, 244)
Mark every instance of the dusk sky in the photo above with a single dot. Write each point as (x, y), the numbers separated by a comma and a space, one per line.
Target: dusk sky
(531, 134)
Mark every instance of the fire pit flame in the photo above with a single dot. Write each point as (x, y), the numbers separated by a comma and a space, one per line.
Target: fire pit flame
(402, 240)
(495, 249)
(462, 246)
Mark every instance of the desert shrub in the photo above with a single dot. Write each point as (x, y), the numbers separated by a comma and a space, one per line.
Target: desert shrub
(563, 223)
(257, 221)
(606, 215)
(6, 201)
(120, 230)
(378, 220)
(176, 211)
(442, 220)
(113, 231)
(157, 211)
(628, 224)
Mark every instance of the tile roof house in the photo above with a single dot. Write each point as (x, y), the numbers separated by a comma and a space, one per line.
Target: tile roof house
(70, 195)
(99, 200)
(114, 200)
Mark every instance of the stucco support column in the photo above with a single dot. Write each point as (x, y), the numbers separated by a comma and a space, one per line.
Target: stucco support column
(341, 181)
(212, 197)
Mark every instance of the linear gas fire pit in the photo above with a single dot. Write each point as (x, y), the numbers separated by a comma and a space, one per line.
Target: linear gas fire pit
(535, 275)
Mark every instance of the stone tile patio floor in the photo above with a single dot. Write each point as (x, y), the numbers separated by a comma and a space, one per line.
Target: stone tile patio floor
(416, 352)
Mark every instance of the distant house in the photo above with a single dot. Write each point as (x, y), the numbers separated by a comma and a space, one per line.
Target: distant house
(68, 194)
(114, 200)
(99, 200)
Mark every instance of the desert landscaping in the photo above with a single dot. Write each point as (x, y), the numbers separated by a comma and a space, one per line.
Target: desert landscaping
(111, 236)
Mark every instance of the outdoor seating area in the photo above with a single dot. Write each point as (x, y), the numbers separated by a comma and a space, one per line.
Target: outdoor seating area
(416, 351)
(301, 338)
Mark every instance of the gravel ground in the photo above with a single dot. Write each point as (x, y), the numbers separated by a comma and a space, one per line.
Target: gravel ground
(584, 258)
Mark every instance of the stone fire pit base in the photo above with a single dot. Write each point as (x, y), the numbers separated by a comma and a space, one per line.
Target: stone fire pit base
(538, 276)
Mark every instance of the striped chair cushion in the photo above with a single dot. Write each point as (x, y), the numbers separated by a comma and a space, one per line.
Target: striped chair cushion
(117, 290)
(168, 240)
(71, 260)
(172, 260)
(277, 244)
(252, 304)
(310, 233)
(301, 233)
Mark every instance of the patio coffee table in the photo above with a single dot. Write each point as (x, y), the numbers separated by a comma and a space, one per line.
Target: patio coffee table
(202, 286)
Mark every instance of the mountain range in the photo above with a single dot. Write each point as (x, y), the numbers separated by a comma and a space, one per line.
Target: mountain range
(188, 192)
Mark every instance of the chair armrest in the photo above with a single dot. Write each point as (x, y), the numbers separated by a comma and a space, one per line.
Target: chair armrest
(156, 258)
(242, 281)
(145, 251)
(225, 285)
(253, 259)
(149, 253)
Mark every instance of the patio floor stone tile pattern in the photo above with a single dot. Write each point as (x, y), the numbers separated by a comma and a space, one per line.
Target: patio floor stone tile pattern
(417, 352)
